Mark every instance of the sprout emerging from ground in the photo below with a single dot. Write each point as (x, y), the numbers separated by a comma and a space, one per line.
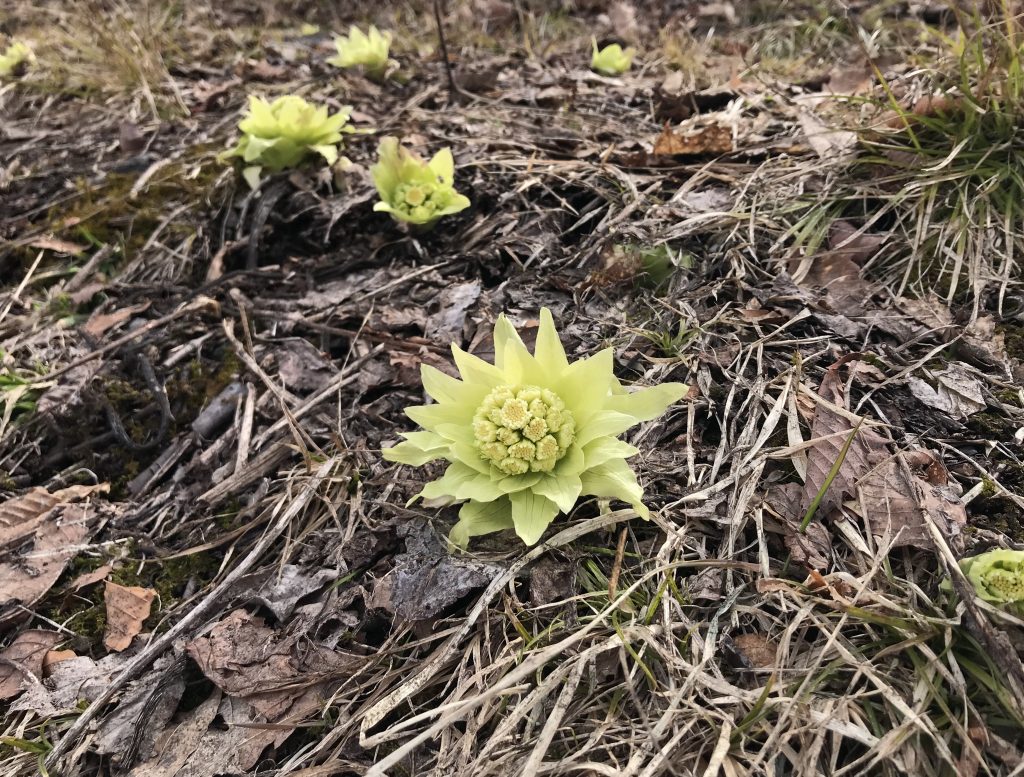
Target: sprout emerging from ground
(998, 577)
(368, 50)
(528, 435)
(612, 60)
(413, 190)
(281, 134)
(15, 59)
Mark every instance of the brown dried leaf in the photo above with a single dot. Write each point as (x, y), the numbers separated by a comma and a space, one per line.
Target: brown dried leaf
(55, 657)
(90, 578)
(711, 139)
(899, 495)
(22, 515)
(831, 430)
(99, 323)
(179, 742)
(24, 657)
(758, 649)
(25, 578)
(828, 143)
(243, 657)
(810, 549)
(51, 243)
(127, 608)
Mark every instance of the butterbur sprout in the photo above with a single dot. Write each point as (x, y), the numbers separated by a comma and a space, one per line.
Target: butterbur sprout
(14, 59)
(413, 190)
(283, 133)
(998, 577)
(527, 436)
(368, 50)
(612, 60)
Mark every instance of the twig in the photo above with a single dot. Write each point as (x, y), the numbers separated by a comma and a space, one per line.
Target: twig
(453, 89)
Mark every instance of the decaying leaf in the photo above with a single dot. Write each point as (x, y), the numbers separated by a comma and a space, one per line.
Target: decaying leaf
(759, 650)
(454, 302)
(956, 392)
(245, 658)
(301, 366)
(178, 742)
(899, 497)
(427, 578)
(99, 323)
(48, 535)
(830, 144)
(831, 430)
(24, 657)
(710, 139)
(280, 589)
(550, 581)
(75, 679)
(22, 515)
(127, 607)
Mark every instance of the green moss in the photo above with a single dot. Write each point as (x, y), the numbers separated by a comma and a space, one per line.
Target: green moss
(1013, 336)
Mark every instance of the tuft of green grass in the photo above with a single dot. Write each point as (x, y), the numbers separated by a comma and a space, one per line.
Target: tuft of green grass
(942, 174)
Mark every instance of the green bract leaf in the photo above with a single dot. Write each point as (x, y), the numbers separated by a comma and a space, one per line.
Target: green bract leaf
(413, 190)
(525, 437)
(14, 58)
(368, 50)
(282, 134)
(612, 60)
(998, 577)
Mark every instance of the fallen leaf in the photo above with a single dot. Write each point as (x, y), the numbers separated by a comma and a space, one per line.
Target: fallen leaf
(245, 658)
(831, 430)
(850, 80)
(758, 649)
(55, 657)
(71, 681)
(127, 607)
(24, 657)
(260, 70)
(177, 743)
(301, 366)
(51, 243)
(622, 19)
(279, 589)
(830, 144)
(22, 515)
(90, 578)
(550, 581)
(957, 392)
(448, 323)
(27, 574)
(146, 707)
(99, 323)
(711, 139)
(897, 497)
(427, 579)
(209, 95)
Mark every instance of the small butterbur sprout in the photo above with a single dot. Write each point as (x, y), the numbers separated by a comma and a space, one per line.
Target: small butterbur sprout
(368, 50)
(998, 577)
(283, 133)
(527, 436)
(413, 190)
(14, 59)
(612, 60)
